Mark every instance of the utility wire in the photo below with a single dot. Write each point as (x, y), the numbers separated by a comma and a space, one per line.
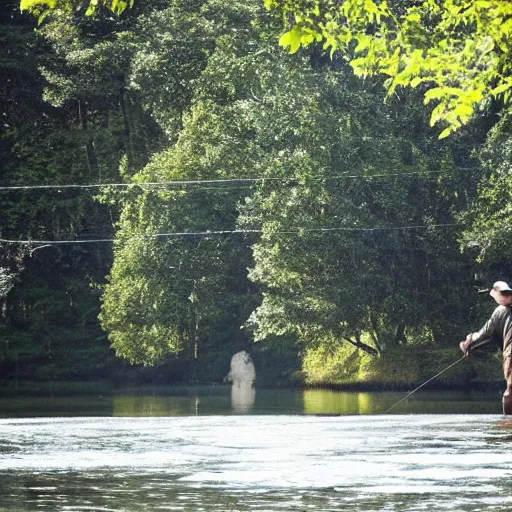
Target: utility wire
(210, 182)
(225, 232)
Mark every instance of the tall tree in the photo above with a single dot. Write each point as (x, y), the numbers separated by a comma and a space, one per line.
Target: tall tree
(187, 294)
(62, 125)
(349, 168)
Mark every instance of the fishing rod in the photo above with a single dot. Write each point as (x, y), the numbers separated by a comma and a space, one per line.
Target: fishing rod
(425, 383)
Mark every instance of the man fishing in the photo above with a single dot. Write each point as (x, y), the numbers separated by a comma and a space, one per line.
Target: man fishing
(499, 328)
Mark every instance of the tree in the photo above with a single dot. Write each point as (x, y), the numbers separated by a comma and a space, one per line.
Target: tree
(370, 288)
(316, 164)
(170, 295)
(184, 295)
(458, 52)
(50, 302)
(301, 126)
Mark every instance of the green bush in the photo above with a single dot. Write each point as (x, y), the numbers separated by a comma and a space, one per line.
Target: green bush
(398, 367)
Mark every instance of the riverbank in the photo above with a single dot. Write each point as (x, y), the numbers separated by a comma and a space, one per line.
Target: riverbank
(103, 387)
(396, 370)
(401, 368)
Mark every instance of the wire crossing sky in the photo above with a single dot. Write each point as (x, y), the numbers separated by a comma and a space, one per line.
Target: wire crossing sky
(228, 232)
(219, 181)
(207, 233)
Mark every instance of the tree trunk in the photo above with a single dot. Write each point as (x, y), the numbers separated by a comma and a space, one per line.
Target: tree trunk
(400, 338)
(376, 335)
(90, 152)
(127, 130)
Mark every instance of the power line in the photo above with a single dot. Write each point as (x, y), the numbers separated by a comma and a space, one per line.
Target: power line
(141, 184)
(204, 234)
(214, 181)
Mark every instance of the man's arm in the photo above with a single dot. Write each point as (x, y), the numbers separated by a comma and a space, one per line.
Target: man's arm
(484, 335)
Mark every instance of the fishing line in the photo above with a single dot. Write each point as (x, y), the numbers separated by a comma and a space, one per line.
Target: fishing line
(424, 384)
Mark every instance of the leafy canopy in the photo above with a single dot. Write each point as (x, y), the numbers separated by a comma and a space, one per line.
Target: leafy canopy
(42, 8)
(460, 49)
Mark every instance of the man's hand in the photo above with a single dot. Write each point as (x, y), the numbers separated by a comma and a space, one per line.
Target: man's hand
(464, 345)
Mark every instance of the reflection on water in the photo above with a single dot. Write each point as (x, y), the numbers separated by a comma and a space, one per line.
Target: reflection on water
(239, 399)
(155, 405)
(321, 401)
(222, 448)
(257, 463)
(243, 396)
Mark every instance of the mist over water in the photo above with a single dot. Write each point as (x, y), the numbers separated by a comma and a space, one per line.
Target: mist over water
(265, 462)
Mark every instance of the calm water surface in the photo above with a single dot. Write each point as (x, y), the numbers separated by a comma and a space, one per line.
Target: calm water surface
(206, 449)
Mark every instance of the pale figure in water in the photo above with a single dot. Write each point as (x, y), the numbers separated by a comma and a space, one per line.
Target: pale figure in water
(243, 378)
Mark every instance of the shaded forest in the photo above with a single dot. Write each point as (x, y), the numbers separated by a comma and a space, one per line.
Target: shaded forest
(175, 187)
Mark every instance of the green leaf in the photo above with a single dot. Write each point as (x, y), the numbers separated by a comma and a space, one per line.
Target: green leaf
(445, 132)
(416, 81)
(500, 89)
(292, 38)
(413, 17)
(464, 110)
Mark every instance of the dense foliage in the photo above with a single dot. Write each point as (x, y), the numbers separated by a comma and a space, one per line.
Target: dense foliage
(459, 48)
(43, 8)
(269, 196)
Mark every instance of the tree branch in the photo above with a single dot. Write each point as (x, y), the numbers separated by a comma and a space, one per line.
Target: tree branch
(362, 346)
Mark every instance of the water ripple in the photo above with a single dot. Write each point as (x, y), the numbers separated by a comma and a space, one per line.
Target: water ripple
(241, 463)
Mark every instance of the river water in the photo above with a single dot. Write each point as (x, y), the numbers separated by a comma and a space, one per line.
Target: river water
(207, 450)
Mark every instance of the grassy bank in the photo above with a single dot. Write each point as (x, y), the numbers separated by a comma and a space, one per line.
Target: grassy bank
(400, 368)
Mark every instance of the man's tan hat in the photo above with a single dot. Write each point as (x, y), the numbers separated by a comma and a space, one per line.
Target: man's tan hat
(501, 286)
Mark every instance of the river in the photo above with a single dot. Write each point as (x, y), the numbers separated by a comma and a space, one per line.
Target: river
(203, 449)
